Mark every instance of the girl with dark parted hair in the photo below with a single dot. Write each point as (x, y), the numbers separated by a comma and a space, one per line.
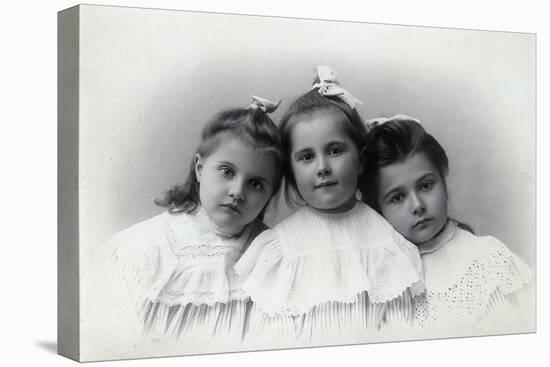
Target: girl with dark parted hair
(471, 281)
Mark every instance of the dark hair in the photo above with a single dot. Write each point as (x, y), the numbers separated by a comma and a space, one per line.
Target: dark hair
(394, 141)
(310, 103)
(253, 127)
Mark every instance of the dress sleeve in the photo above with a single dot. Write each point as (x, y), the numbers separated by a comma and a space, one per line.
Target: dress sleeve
(137, 254)
(261, 271)
(503, 315)
(394, 268)
(510, 272)
(508, 304)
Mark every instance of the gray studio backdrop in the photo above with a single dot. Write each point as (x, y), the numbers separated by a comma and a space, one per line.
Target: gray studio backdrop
(150, 79)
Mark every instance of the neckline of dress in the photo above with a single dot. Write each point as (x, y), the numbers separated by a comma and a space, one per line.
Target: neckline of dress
(346, 213)
(207, 223)
(439, 240)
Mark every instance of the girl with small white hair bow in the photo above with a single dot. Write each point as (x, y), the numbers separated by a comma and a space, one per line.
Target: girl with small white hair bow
(178, 266)
(333, 266)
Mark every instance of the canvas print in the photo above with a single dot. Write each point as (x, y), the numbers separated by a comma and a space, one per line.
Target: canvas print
(236, 183)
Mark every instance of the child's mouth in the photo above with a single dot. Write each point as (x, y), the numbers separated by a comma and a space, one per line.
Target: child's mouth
(326, 184)
(231, 208)
(423, 223)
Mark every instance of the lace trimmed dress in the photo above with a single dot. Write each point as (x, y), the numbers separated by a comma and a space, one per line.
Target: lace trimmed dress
(179, 270)
(318, 278)
(471, 286)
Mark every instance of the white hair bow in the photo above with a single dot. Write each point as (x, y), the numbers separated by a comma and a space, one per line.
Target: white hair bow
(264, 104)
(382, 120)
(328, 86)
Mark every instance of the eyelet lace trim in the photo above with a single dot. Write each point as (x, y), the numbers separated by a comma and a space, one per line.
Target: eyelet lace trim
(466, 300)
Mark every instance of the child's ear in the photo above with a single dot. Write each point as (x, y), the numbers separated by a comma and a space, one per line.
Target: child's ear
(198, 166)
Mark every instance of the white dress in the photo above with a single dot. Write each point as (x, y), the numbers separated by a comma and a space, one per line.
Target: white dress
(471, 287)
(320, 278)
(179, 270)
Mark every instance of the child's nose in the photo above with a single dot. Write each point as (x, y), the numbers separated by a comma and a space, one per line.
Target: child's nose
(323, 168)
(236, 190)
(418, 206)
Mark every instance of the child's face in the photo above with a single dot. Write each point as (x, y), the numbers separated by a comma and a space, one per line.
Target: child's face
(235, 182)
(413, 198)
(324, 161)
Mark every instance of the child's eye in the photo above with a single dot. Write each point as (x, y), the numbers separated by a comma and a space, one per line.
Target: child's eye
(227, 172)
(305, 157)
(426, 185)
(335, 150)
(256, 184)
(396, 199)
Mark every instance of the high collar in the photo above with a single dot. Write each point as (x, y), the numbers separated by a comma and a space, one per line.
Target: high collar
(206, 222)
(356, 207)
(439, 240)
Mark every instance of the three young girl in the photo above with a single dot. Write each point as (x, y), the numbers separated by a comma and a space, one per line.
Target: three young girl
(333, 271)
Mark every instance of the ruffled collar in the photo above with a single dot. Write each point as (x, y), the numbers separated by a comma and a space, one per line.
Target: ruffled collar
(206, 222)
(438, 241)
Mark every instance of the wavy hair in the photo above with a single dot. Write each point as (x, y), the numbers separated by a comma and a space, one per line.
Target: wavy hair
(253, 127)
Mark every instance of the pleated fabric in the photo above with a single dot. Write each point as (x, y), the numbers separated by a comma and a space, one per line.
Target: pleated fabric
(179, 270)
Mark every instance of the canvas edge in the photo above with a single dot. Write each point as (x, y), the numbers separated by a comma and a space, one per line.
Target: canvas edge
(68, 277)
(69, 343)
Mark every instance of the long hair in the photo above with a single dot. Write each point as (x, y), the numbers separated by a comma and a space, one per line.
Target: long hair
(308, 104)
(252, 127)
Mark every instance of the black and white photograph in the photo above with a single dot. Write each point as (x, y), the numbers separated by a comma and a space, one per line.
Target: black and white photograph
(284, 183)
(249, 183)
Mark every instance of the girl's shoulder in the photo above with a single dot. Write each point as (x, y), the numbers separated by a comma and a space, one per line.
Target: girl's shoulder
(471, 256)
(464, 276)
(178, 259)
(142, 245)
(156, 228)
(147, 230)
(474, 246)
